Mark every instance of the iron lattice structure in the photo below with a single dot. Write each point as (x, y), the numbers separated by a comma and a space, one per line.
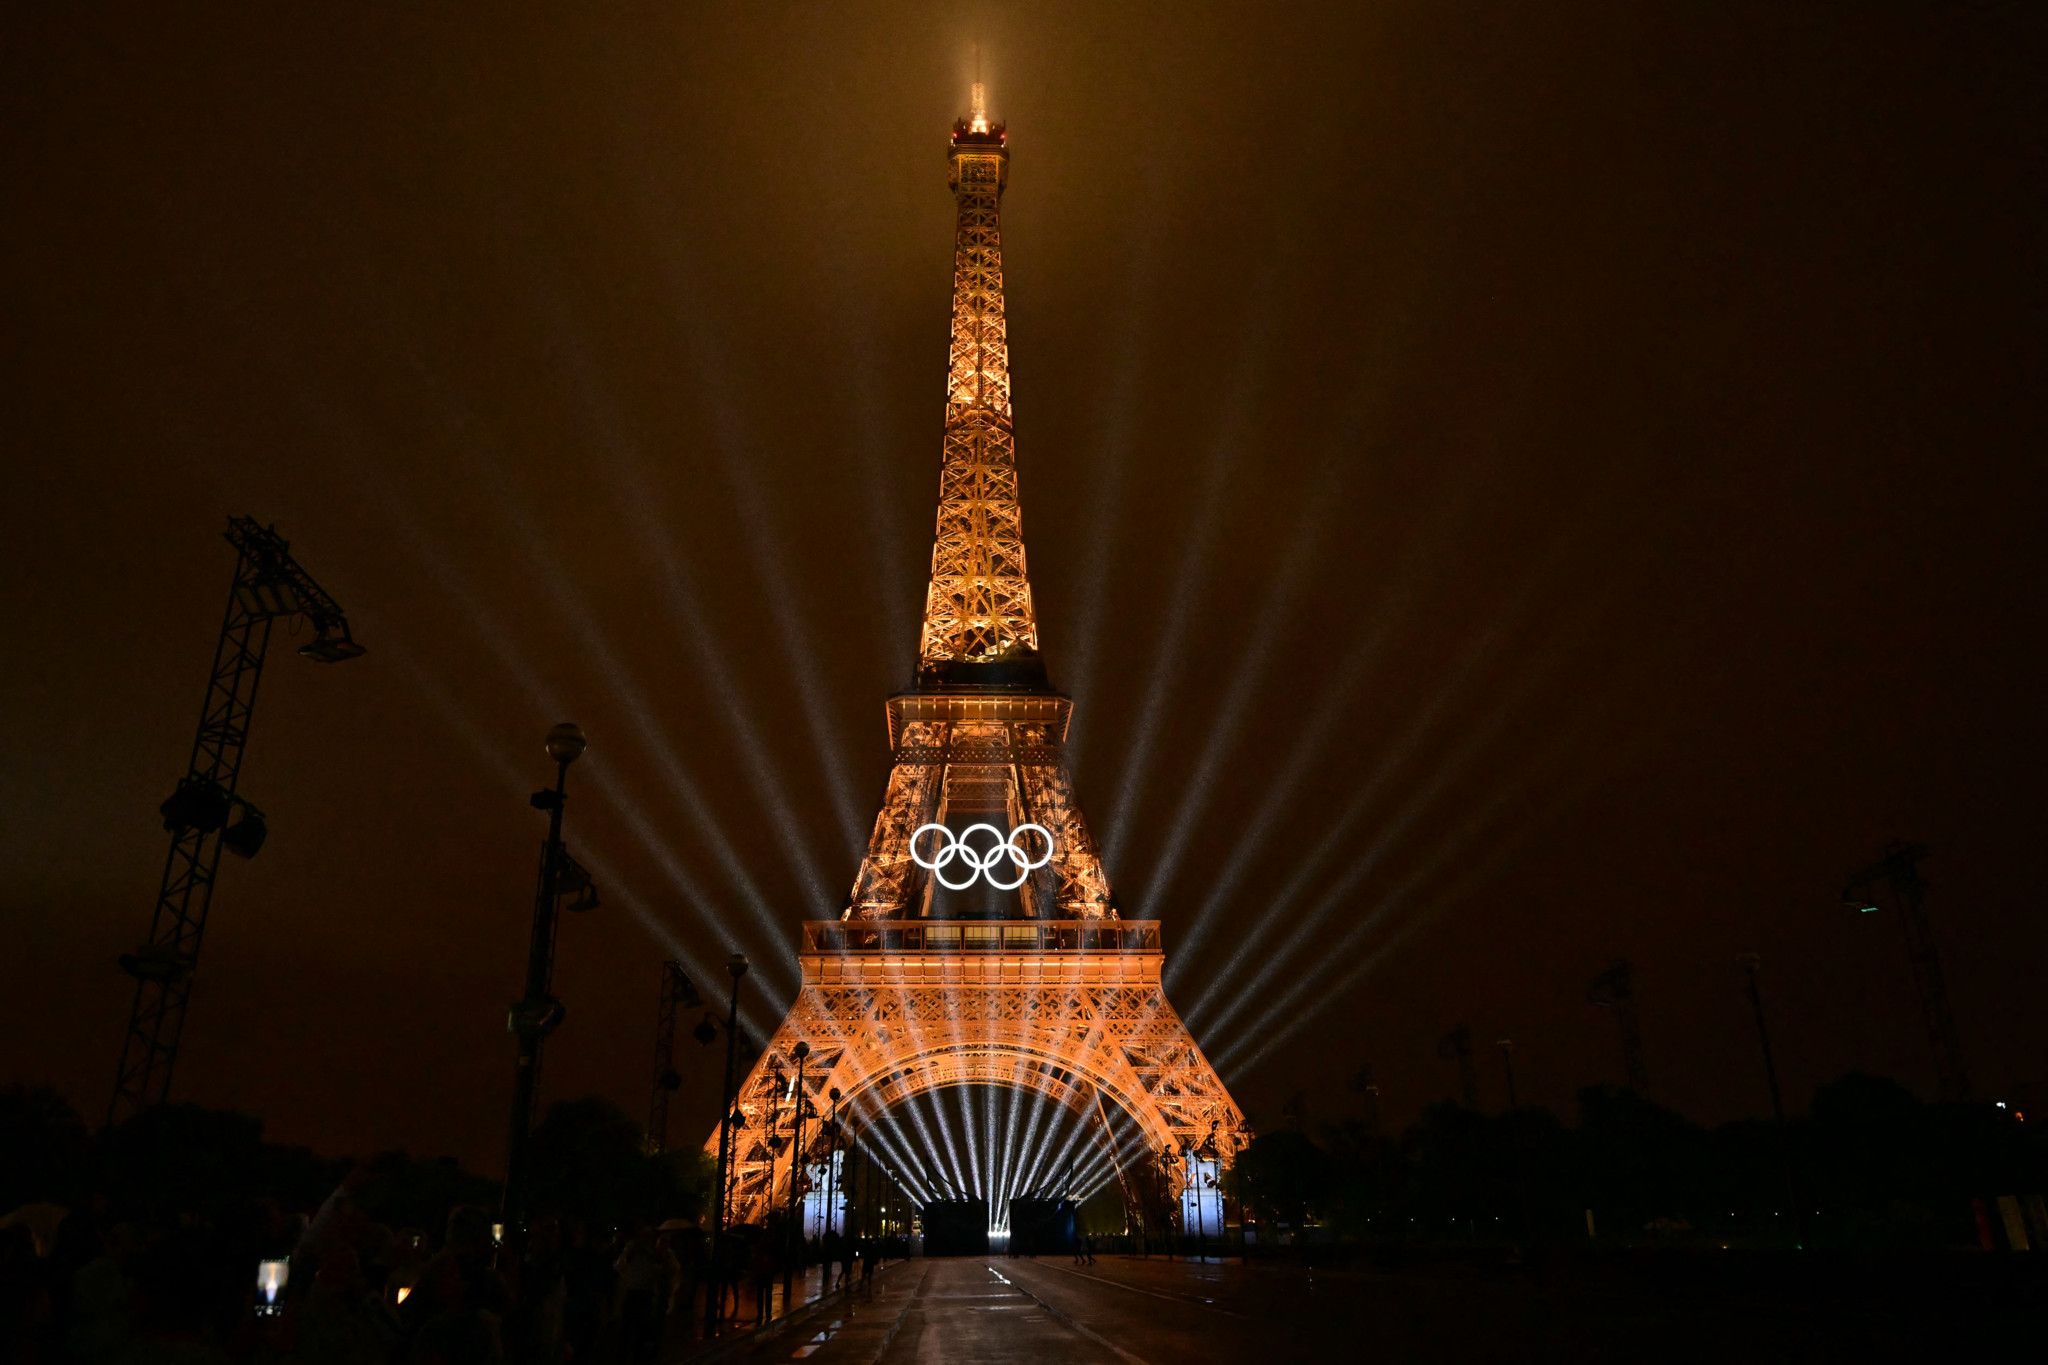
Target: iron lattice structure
(1899, 869)
(269, 584)
(1064, 997)
(677, 994)
(1615, 989)
(978, 609)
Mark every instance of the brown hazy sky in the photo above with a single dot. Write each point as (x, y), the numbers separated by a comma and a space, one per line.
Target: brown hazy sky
(1508, 486)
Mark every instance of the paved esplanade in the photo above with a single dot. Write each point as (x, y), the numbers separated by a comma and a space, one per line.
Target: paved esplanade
(1120, 1310)
(1159, 1311)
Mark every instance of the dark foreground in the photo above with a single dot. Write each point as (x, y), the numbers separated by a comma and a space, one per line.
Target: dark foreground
(1132, 1311)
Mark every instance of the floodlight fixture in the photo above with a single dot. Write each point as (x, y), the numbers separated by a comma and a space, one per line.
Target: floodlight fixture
(198, 803)
(268, 594)
(245, 837)
(534, 1019)
(155, 962)
(333, 645)
(565, 743)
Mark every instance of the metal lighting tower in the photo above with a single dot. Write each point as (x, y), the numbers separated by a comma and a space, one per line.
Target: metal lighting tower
(269, 585)
(1507, 1061)
(537, 1013)
(1899, 869)
(1615, 989)
(676, 994)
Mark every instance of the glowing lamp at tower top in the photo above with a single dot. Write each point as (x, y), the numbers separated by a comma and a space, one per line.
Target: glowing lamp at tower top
(977, 129)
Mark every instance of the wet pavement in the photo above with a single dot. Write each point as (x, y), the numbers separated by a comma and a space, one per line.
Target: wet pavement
(1160, 1311)
(941, 1310)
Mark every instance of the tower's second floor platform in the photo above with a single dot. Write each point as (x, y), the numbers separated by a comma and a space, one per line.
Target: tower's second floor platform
(902, 950)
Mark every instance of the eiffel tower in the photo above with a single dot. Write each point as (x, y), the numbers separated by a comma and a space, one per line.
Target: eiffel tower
(981, 944)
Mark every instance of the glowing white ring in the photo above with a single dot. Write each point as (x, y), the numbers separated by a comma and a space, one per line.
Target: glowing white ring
(955, 848)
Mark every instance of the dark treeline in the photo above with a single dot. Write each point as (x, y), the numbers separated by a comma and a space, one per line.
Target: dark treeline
(142, 1243)
(1869, 1167)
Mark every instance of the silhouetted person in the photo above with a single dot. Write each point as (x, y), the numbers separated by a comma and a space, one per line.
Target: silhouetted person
(586, 1287)
(183, 1299)
(645, 1270)
(537, 1314)
(459, 1290)
(25, 1307)
(341, 1322)
(101, 1299)
(735, 1257)
(687, 1245)
(761, 1267)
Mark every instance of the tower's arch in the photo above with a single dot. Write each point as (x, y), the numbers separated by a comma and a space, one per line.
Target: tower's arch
(1035, 1070)
(1082, 1025)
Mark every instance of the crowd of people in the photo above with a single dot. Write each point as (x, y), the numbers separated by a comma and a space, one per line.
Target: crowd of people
(338, 1287)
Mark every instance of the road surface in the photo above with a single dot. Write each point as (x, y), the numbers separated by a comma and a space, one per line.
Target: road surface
(1124, 1311)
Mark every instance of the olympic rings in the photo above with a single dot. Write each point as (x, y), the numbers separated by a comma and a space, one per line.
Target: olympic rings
(980, 863)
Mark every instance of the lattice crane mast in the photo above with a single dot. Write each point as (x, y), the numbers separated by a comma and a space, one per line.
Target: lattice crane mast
(1615, 989)
(1899, 870)
(205, 813)
(677, 995)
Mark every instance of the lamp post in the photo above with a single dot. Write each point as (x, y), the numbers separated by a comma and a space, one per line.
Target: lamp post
(832, 1180)
(736, 965)
(794, 1231)
(537, 1013)
(776, 1086)
(1244, 1204)
(1169, 1174)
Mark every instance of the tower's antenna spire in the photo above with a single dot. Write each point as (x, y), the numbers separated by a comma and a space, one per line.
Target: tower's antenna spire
(978, 117)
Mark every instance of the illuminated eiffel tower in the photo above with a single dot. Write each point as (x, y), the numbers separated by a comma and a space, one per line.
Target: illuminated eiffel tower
(981, 944)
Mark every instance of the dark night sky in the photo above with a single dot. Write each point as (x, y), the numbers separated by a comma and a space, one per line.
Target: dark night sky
(1508, 487)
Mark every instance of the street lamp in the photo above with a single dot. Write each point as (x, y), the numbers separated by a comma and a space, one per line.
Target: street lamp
(794, 1229)
(736, 965)
(831, 1165)
(537, 1013)
(776, 1144)
(1169, 1177)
